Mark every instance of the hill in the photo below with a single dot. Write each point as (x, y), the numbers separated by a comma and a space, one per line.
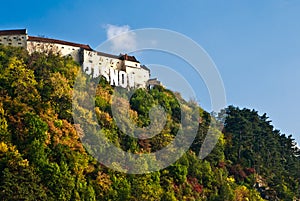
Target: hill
(42, 156)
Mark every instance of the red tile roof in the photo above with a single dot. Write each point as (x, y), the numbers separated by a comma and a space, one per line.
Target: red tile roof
(128, 58)
(107, 55)
(13, 32)
(49, 40)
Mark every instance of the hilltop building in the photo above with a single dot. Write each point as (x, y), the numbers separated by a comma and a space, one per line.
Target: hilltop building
(122, 70)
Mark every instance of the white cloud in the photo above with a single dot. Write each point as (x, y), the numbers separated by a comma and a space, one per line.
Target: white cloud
(121, 38)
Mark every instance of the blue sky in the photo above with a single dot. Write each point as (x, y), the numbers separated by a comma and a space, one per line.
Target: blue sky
(254, 44)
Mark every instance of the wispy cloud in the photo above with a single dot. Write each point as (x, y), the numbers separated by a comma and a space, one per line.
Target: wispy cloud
(121, 38)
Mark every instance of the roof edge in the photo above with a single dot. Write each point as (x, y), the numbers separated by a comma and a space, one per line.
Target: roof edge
(13, 32)
(62, 42)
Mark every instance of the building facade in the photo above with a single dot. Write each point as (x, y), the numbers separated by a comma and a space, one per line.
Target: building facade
(123, 70)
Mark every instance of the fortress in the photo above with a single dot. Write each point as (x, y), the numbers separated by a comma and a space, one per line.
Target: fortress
(123, 70)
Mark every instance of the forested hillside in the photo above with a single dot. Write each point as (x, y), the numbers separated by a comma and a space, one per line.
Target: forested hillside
(42, 157)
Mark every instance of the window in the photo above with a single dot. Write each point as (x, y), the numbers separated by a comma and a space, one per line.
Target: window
(19, 43)
(9, 43)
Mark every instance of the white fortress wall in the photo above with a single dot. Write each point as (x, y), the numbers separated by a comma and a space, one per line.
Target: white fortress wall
(109, 66)
(132, 64)
(141, 76)
(62, 50)
(140, 73)
(122, 70)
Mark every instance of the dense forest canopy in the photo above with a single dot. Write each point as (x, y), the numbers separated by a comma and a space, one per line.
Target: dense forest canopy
(42, 156)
